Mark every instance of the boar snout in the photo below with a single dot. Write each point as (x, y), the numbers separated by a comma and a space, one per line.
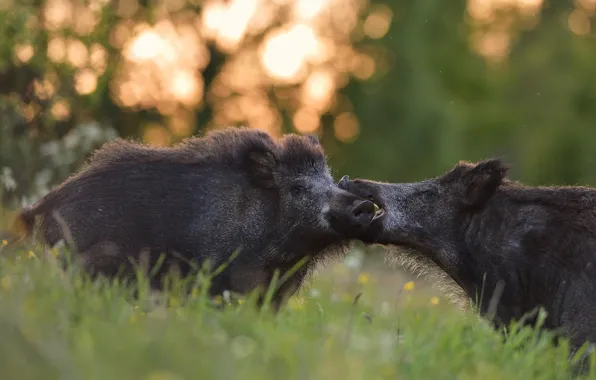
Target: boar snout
(343, 182)
(349, 214)
(363, 189)
(355, 186)
(362, 213)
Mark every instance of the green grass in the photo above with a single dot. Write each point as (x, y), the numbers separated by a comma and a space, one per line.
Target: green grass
(55, 326)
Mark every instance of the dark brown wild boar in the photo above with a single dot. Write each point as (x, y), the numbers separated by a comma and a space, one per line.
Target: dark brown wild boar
(235, 188)
(511, 248)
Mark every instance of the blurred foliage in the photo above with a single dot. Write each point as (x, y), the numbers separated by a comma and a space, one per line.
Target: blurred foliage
(398, 90)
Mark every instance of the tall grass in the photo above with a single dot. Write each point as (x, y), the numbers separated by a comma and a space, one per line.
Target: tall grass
(343, 325)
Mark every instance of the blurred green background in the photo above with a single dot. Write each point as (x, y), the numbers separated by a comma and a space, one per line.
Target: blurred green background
(397, 90)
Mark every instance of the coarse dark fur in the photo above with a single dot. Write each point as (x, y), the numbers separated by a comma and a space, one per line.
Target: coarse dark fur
(205, 198)
(511, 248)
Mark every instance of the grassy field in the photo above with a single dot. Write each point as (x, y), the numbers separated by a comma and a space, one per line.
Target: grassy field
(55, 326)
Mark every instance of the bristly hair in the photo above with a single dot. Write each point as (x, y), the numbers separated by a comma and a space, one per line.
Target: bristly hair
(226, 145)
(463, 167)
(230, 146)
(301, 153)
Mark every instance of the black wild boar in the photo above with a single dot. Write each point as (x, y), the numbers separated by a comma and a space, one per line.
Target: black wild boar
(511, 248)
(205, 198)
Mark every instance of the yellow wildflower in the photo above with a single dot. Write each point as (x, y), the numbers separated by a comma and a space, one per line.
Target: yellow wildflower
(363, 278)
(434, 301)
(31, 255)
(409, 286)
(241, 302)
(4, 242)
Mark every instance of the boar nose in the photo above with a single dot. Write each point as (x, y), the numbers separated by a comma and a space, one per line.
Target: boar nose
(363, 213)
(343, 182)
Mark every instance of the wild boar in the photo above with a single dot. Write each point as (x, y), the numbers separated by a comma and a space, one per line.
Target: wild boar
(511, 248)
(205, 198)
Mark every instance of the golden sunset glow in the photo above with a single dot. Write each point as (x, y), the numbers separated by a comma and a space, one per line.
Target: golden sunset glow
(60, 110)
(57, 49)
(163, 68)
(186, 87)
(24, 52)
(579, 22)
(378, 22)
(318, 90)
(98, 58)
(57, 14)
(307, 10)
(76, 53)
(346, 127)
(44, 89)
(363, 66)
(306, 120)
(303, 50)
(156, 134)
(85, 82)
(286, 52)
(587, 5)
(495, 42)
(226, 22)
(284, 59)
(146, 46)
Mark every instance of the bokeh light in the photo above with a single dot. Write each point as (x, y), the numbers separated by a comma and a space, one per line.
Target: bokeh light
(285, 59)
(57, 49)
(76, 53)
(162, 67)
(306, 120)
(318, 90)
(85, 81)
(579, 22)
(495, 26)
(286, 52)
(156, 134)
(346, 127)
(24, 52)
(61, 109)
(378, 21)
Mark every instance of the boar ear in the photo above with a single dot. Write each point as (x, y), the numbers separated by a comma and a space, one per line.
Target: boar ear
(483, 180)
(261, 166)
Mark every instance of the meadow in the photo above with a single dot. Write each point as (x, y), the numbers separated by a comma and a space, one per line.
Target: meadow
(397, 90)
(356, 319)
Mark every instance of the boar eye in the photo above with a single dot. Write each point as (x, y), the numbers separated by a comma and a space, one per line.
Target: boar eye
(298, 190)
(428, 195)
